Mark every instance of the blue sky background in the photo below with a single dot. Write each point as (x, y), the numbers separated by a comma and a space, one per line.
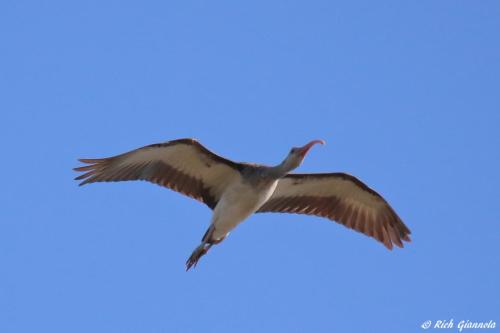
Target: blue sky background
(406, 94)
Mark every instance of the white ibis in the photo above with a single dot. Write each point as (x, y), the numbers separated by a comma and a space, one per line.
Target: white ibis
(237, 190)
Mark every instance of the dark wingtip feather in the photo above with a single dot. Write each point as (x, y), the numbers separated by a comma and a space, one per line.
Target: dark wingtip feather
(85, 175)
(399, 244)
(387, 240)
(84, 168)
(87, 181)
(89, 170)
(90, 160)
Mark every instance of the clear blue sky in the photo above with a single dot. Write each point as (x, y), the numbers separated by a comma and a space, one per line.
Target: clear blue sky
(406, 94)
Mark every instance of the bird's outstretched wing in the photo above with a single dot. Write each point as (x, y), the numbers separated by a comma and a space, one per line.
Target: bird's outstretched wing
(182, 165)
(342, 198)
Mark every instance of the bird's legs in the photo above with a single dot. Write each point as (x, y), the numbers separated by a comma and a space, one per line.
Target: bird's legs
(206, 243)
(199, 252)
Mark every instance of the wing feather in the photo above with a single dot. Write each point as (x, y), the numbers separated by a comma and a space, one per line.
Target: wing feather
(182, 165)
(342, 198)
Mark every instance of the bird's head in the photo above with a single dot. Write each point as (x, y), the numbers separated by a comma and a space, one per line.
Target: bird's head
(297, 154)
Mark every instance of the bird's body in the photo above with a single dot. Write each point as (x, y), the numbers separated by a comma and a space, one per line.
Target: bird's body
(240, 200)
(234, 191)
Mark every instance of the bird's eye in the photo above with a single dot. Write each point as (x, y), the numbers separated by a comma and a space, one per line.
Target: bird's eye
(293, 151)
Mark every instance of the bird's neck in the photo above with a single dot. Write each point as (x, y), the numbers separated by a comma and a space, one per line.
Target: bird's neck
(280, 170)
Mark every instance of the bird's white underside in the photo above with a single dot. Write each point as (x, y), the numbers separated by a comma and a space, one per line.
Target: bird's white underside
(239, 201)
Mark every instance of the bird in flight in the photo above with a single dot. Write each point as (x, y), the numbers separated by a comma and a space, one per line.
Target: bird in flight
(235, 190)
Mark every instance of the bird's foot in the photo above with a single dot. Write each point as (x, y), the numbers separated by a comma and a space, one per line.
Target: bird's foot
(199, 252)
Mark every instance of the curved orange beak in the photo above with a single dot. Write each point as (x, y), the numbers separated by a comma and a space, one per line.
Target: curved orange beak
(303, 150)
